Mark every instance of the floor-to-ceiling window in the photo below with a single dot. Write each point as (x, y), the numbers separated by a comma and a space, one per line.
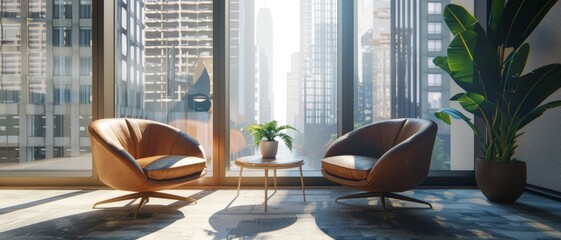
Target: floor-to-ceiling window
(45, 82)
(283, 66)
(164, 65)
(395, 43)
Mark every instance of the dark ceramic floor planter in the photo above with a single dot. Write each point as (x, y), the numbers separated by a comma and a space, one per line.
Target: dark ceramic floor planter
(500, 182)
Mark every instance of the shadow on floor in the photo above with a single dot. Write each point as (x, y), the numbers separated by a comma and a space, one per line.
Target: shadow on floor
(247, 221)
(106, 222)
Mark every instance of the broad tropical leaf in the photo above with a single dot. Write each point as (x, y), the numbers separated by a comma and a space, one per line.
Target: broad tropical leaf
(495, 14)
(487, 67)
(461, 60)
(445, 114)
(469, 101)
(515, 65)
(538, 112)
(458, 19)
(520, 18)
(442, 63)
(533, 88)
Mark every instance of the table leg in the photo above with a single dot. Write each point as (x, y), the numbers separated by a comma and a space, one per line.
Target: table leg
(266, 186)
(302, 181)
(275, 179)
(240, 180)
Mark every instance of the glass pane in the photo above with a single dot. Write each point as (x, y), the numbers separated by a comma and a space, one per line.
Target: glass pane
(42, 75)
(164, 65)
(283, 61)
(401, 80)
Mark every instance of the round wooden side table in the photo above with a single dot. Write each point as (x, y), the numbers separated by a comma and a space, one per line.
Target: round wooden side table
(258, 162)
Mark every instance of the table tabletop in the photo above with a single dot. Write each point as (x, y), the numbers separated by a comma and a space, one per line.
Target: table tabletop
(271, 163)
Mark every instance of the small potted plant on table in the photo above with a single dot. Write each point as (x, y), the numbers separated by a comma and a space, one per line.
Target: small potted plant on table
(265, 134)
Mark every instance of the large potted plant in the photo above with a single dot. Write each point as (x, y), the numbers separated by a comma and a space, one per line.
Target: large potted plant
(265, 135)
(488, 64)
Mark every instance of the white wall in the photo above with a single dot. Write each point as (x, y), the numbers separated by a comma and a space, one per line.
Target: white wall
(540, 145)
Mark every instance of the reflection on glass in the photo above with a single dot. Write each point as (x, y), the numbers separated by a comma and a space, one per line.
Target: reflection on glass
(42, 115)
(283, 61)
(164, 64)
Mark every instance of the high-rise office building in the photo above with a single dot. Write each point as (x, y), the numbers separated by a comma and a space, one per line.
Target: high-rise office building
(294, 109)
(45, 90)
(177, 34)
(242, 63)
(263, 87)
(318, 73)
(396, 43)
(372, 95)
(264, 66)
(130, 79)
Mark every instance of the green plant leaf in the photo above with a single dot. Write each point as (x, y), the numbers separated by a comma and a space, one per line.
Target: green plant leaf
(445, 114)
(495, 14)
(469, 101)
(519, 19)
(530, 90)
(442, 63)
(487, 74)
(461, 62)
(269, 131)
(515, 65)
(458, 19)
(532, 115)
(286, 139)
(286, 127)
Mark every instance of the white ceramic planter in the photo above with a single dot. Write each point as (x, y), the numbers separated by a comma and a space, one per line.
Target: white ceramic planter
(269, 148)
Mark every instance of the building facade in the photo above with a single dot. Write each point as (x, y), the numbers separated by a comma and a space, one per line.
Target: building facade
(318, 73)
(45, 90)
(177, 34)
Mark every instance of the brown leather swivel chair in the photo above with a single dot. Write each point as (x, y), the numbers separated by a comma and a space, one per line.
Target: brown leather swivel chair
(144, 156)
(381, 158)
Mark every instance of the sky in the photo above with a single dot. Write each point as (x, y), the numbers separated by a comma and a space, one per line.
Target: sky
(286, 35)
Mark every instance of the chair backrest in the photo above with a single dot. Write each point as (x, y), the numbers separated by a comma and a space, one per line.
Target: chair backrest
(406, 164)
(371, 140)
(118, 142)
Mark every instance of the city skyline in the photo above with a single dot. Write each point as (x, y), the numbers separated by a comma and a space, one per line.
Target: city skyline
(287, 71)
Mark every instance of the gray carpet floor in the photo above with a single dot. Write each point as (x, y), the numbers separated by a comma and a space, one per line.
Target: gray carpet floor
(220, 214)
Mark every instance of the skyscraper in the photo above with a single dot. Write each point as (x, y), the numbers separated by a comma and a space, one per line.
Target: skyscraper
(130, 82)
(242, 63)
(264, 65)
(318, 47)
(177, 34)
(294, 109)
(397, 41)
(45, 90)
(372, 98)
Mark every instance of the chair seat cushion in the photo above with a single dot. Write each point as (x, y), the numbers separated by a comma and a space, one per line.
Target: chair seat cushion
(349, 166)
(166, 167)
